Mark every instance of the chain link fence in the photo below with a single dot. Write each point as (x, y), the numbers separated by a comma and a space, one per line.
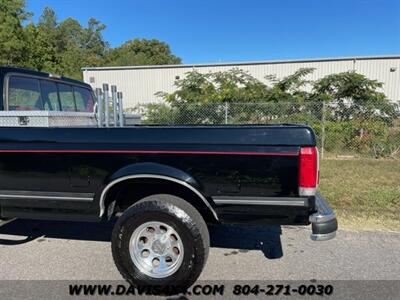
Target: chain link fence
(342, 129)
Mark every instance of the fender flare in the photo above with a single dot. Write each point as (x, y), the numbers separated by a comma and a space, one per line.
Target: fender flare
(156, 171)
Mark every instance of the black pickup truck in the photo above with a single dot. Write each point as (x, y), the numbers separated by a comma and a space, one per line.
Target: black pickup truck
(163, 183)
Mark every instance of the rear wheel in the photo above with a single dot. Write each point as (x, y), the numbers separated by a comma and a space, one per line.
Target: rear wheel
(160, 241)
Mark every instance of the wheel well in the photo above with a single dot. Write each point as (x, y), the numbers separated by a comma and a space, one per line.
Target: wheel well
(127, 192)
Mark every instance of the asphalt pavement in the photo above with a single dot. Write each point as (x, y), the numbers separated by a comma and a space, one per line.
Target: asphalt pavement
(47, 250)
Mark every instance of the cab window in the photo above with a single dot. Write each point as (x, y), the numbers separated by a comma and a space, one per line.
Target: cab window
(83, 99)
(49, 95)
(66, 97)
(24, 93)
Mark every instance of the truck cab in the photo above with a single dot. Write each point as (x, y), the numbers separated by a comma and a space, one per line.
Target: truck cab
(37, 99)
(29, 90)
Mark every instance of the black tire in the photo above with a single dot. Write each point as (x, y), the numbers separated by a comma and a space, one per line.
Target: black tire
(184, 219)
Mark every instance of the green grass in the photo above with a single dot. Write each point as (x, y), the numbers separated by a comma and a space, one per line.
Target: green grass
(365, 193)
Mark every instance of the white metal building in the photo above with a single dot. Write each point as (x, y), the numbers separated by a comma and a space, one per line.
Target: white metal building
(140, 83)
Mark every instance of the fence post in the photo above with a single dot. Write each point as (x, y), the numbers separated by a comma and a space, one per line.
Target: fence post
(323, 129)
(226, 112)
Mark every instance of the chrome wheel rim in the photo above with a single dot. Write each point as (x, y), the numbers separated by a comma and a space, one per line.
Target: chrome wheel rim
(156, 249)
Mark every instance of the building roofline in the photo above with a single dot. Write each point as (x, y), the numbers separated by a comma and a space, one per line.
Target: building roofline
(243, 63)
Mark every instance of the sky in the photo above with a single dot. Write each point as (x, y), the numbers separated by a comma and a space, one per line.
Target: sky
(249, 30)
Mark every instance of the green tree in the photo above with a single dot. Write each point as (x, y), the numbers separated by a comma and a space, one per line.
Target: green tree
(64, 47)
(67, 46)
(45, 52)
(359, 116)
(291, 88)
(354, 96)
(93, 39)
(48, 19)
(30, 56)
(250, 101)
(85, 43)
(141, 52)
(233, 85)
(238, 86)
(12, 44)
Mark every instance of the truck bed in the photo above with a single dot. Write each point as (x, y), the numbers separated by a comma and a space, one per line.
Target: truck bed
(236, 162)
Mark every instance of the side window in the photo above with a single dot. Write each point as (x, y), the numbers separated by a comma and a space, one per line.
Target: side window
(83, 99)
(66, 97)
(49, 95)
(24, 94)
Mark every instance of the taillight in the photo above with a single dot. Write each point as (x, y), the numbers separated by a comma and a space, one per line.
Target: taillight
(308, 171)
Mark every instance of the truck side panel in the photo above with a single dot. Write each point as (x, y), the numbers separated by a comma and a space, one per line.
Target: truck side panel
(59, 173)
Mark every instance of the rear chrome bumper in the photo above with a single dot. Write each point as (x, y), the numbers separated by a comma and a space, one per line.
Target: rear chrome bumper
(323, 222)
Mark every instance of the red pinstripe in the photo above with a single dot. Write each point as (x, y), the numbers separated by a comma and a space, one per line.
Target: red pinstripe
(148, 152)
